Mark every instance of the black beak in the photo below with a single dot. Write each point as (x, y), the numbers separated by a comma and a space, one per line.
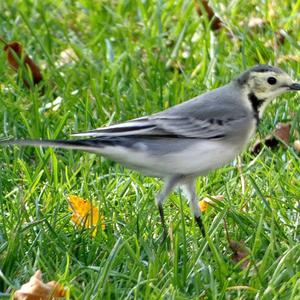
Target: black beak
(295, 86)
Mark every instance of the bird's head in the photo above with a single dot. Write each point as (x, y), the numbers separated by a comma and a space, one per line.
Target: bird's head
(263, 83)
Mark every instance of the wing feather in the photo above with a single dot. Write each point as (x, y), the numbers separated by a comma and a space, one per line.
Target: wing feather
(171, 126)
(215, 114)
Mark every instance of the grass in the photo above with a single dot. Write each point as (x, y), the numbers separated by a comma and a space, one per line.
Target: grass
(136, 58)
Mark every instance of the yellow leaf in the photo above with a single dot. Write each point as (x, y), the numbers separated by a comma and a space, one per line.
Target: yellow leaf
(204, 203)
(85, 214)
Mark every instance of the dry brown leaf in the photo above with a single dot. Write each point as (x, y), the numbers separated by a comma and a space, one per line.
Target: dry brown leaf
(17, 56)
(36, 289)
(281, 133)
(240, 253)
(216, 22)
(269, 141)
(297, 145)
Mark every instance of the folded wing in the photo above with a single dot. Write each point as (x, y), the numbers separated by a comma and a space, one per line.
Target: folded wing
(170, 126)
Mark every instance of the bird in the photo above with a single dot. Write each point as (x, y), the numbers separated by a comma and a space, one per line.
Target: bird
(188, 140)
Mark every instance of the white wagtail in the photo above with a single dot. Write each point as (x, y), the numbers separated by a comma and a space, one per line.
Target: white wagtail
(189, 139)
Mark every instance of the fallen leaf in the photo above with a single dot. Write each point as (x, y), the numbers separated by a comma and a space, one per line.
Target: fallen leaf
(36, 289)
(281, 133)
(240, 253)
(297, 145)
(17, 58)
(216, 22)
(269, 141)
(204, 203)
(85, 214)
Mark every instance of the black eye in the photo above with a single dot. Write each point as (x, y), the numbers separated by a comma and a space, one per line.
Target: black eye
(272, 80)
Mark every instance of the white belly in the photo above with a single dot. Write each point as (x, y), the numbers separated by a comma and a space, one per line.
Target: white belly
(197, 158)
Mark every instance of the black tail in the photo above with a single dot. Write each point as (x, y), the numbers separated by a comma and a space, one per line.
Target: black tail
(84, 144)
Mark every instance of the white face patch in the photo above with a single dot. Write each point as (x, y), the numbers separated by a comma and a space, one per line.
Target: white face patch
(266, 86)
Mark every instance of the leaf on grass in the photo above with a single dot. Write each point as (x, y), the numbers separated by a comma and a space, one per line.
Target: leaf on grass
(17, 58)
(216, 23)
(85, 214)
(281, 133)
(297, 145)
(204, 203)
(36, 289)
(240, 253)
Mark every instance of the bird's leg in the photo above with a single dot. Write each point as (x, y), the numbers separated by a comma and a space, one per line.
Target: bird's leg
(194, 205)
(162, 220)
(170, 183)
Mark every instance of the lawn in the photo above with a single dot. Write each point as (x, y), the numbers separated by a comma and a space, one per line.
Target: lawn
(133, 58)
